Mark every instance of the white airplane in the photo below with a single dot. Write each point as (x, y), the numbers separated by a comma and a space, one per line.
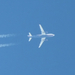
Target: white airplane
(43, 35)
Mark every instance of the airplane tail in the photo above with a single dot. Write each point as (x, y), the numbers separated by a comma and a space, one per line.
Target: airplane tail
(30, 37)
(30, 34)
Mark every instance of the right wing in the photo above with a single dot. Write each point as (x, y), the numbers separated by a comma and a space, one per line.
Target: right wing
(42, 31)
(42, 40)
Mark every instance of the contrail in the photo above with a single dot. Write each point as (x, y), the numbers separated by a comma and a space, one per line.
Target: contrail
(6, 45)
(7, 35)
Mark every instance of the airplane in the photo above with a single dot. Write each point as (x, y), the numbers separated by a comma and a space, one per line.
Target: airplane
(43, 36)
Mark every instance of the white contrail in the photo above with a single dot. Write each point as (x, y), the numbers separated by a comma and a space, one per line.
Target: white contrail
(7, 35)
(6, 45)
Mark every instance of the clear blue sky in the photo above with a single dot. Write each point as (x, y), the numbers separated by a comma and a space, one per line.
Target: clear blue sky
(56, 56)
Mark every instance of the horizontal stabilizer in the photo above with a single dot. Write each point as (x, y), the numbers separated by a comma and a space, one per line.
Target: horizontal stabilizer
(30, 34)
(30, 39)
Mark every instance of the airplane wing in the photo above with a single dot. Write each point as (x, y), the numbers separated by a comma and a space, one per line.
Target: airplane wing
(42, 31)
(42, 40)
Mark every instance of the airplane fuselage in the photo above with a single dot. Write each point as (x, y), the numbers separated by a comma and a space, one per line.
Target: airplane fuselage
(40, 35)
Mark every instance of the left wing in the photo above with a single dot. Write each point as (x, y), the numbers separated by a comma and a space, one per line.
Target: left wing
(42, 30)
(42, 40)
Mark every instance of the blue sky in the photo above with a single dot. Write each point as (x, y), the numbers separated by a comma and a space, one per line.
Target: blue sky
(56, 56)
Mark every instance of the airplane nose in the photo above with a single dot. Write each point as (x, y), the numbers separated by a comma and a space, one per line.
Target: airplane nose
(54, 35)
